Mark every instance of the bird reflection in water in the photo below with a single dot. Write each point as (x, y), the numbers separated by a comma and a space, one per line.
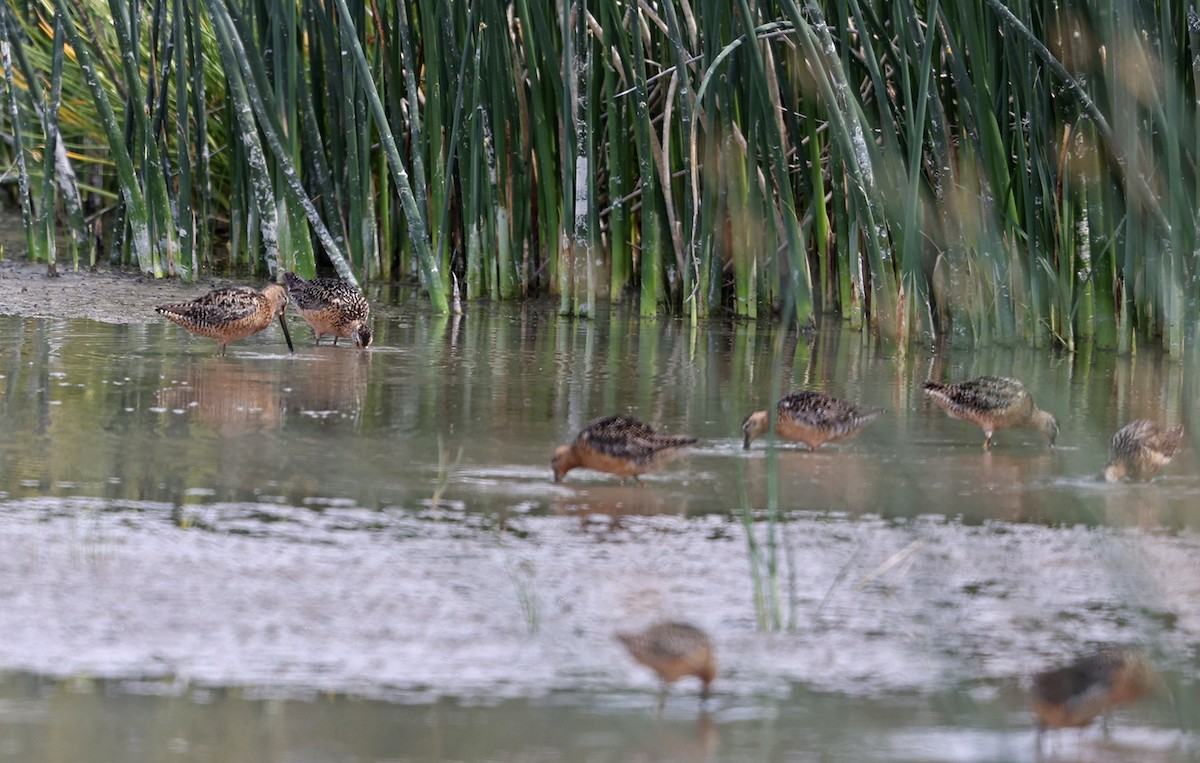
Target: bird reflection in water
(602, 509)
(228, 397)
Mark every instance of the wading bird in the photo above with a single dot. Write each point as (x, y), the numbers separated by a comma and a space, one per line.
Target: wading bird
(1091, 686)
(1140, 449)
(331, 306)
(619, 445)
(993, 402)
(812, 418)
(674, 650)
(231, 313)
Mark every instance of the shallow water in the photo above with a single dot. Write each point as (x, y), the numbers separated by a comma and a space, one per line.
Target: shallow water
(348, 555)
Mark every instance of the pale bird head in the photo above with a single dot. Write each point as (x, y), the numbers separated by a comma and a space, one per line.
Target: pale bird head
(562, 462)
(754, 426)
(277, 296)
(1114, 472)
(1048, 426)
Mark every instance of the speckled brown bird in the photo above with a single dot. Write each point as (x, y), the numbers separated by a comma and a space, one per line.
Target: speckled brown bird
(674, 650)
(1091, 686)
(1140, 449)
(993, 402)
(331, 306)
(231, 313)
(619, 445)
(812, 418)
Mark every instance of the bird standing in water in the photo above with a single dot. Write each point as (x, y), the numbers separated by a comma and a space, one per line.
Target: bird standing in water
(1140, 449)
(674, 650)
(812, 418)
(993, 402)
(332, 306)
(231, 313)
(619, 445)
(1091, 686)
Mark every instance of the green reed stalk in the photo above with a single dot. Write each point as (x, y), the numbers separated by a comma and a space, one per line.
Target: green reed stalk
(921, 48)
(737, 170)
(417, 220)
(457, 136)
(291, 62)
(251, 95)
(822, 227)
(713, 209)
(357, 195)
(309, 94)
(653, 290)
(799, 279)
(850, 129)
(203, 176)
(620, 253)
(578, 176)
(568, 253)
(258, 182)
(495, 147)
(689, 263)
(412, 94)
(542, 71)
(126, 22)
(472, 204)
(188, 259)
(61, 171)
(50, 151)
(137, 216)
(40, 246)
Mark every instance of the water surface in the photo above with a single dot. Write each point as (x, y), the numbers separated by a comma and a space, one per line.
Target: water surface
(360, 555)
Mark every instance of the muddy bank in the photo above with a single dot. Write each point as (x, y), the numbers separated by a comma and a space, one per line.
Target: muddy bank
(104, 294)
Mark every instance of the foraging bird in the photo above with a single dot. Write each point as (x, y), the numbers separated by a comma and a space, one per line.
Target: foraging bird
(812, 418)
(674, 650)
(619, 445)
(993, 402)
(1140, 449)
(1091, 686)
(231, 313)
(331, 306)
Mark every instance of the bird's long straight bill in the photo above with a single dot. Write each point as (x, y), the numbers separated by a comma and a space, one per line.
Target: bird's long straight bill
(286, 335)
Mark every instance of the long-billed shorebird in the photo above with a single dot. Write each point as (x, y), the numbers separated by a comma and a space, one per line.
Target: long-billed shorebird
(812, 418)
(1140, 449)
(231, 313)
(1092, 686)
(993, 402)
(331, 306)
(619, 445)
(674, 650)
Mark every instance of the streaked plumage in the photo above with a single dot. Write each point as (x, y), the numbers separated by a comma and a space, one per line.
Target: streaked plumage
(674, 650)
(231, 313)
(993, 402)
(619, 445)
(331, 306)
(812, 418)
(1140, 449)
(1075, 695)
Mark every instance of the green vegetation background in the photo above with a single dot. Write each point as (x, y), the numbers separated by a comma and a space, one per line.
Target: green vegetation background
(987, 170)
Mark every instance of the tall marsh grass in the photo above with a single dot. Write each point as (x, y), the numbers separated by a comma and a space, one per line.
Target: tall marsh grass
(986, 170)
